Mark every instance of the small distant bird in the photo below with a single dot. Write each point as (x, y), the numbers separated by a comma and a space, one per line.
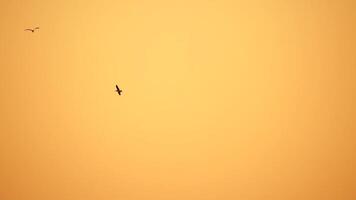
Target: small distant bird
(118, 90)
(32, 30)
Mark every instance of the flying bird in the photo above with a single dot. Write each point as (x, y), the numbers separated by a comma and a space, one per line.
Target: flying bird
(118, 90)
(32, 30)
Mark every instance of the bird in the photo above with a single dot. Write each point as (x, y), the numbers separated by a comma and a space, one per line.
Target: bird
(32, 30)
(118, 90)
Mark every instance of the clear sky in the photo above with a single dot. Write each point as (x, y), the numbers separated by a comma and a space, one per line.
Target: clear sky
(222, 100)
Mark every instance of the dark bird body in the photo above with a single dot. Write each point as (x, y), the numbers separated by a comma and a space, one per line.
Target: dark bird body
(32, 30)
(118, 90)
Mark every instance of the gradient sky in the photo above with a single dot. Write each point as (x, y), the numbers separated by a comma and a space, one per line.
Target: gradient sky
(222, 100)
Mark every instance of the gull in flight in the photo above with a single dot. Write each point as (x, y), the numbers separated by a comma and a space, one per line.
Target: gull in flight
(118, 90)
(32, 30)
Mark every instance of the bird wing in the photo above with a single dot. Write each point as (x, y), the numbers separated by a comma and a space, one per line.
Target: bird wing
(28, 29)
(37, 28)
(117, 87)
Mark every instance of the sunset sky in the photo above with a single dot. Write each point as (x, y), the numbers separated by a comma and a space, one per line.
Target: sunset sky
(222, 100)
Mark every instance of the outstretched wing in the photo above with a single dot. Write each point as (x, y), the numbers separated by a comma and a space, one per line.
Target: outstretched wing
(117, 87)
(37, 28)
(28, 29)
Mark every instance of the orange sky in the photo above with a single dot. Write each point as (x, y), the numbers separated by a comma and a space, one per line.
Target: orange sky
(222, 100)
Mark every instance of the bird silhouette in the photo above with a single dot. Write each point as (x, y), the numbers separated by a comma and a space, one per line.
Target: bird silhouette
(32, 30)
(118, 90)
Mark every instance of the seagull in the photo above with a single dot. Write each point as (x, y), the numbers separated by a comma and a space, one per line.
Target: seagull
(118, 90)
(32, 30)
